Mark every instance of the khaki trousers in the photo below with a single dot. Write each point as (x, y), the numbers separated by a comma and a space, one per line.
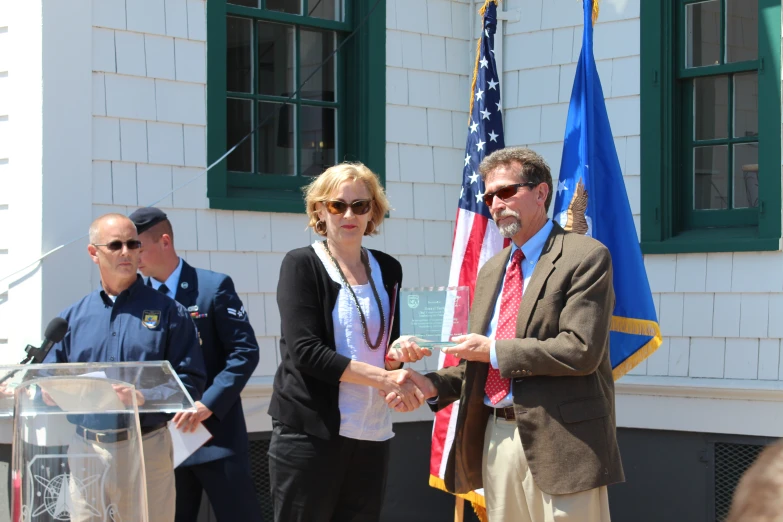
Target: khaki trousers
(103, 486)
(511, 493)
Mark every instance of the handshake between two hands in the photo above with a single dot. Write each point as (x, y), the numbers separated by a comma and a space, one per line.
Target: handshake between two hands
(405, 389)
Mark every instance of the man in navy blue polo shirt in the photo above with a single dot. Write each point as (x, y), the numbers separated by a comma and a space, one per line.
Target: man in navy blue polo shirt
(221, 467)
(125, 320)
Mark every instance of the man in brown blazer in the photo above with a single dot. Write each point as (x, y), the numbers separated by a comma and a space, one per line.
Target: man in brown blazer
(536, 423)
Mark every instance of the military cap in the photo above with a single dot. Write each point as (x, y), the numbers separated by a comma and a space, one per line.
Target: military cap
(147, 217)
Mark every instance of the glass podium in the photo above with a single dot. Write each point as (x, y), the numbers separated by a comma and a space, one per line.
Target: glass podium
(77, 438)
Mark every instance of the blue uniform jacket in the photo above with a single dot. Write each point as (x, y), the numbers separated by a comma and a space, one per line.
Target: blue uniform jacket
(230, 354)
(141, 325)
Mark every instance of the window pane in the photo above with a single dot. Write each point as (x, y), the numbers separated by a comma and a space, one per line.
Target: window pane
(246, 3)
(702, 21)
(710, 108)
(710, 177)
(329, 9)
(275, 59)
(746, 105)
(746, 175)
(286, 6)
(318, 143)
(316, 46)
(238, 37)
(276, 138)
(742, 30)
(239, 124)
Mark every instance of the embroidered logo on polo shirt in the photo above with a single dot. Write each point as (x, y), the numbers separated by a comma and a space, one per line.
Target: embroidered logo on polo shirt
(150, 318)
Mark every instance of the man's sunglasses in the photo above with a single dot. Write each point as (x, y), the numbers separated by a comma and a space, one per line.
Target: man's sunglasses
(358, 207)
(116, 245)
(506, 192)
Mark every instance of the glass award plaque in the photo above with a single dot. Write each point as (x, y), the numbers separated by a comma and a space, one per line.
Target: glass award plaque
(432, 316)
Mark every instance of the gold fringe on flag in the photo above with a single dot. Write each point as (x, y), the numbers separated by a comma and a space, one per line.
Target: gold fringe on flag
(476, 500)
(636, 327)
(595, 11)
(478, 58)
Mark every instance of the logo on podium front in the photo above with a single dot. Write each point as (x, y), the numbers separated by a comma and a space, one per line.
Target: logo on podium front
(64, 494)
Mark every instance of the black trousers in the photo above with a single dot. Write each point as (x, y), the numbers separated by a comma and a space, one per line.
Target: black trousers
(229, 486)
(316, 480)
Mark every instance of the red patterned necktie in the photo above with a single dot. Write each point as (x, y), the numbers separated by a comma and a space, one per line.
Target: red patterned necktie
(498, 387)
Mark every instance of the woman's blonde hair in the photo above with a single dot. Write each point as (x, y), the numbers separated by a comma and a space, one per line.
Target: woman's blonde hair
(324, 185)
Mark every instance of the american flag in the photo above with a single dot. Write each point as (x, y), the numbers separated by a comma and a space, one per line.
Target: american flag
(476, 237)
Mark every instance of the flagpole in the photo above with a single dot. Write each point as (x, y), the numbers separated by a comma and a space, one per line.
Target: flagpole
(475, 234)
(459, 502)
(459, 509)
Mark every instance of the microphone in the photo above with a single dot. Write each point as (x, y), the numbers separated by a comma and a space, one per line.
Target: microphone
(55, 331)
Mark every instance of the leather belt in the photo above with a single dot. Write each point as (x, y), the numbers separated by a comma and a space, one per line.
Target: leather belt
(504, 413)
(114, 435)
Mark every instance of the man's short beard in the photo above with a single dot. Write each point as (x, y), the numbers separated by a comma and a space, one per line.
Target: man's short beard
(508, 230)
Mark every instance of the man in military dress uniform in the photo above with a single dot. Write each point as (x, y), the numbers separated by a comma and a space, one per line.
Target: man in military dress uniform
(221, 467)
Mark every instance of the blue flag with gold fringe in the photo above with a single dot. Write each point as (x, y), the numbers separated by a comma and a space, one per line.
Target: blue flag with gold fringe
(591, 199)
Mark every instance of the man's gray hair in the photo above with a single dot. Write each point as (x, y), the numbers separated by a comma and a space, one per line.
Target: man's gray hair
(95, 227)
(533, 167)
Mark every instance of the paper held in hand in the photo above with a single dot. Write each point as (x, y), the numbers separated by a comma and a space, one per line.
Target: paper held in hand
(79, 395)
(186, 444)
(432, 316)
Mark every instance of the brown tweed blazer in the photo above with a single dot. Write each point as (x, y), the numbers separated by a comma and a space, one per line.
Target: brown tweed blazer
(559, 363)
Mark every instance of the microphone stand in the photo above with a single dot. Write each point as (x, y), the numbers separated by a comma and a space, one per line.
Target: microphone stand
(31, 352)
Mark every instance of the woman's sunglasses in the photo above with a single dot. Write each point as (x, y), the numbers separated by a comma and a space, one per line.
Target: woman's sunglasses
(116, 245)
(506, 192)
(358, 207)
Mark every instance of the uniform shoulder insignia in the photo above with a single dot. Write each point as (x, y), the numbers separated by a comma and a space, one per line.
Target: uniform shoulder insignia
(236, 313)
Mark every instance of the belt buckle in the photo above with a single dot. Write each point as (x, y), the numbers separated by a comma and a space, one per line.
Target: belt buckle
(99, 437)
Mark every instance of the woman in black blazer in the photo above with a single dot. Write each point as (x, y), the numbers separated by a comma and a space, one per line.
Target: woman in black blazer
(338, 302)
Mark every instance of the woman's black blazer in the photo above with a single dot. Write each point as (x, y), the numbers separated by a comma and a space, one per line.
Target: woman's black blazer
(306, 385)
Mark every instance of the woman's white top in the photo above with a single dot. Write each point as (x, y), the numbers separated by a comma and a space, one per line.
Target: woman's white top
(364, 414)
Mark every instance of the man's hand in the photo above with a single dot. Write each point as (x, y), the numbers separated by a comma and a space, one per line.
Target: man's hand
(397, 383)
(5, 391)
(471, 347)
(189, 420)
(125, 394)
(422, 384)
(406, 351)
(47, 398)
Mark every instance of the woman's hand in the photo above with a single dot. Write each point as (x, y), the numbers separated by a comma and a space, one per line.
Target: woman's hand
(406, 351)
(422, 385)
(397, 383)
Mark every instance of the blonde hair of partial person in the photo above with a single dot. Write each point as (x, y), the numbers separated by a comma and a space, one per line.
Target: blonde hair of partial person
(326, 184)
(759, 494)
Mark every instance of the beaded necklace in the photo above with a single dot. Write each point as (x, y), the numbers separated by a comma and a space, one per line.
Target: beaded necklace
(366, 262)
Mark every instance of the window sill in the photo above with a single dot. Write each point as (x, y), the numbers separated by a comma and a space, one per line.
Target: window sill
(713, 240)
